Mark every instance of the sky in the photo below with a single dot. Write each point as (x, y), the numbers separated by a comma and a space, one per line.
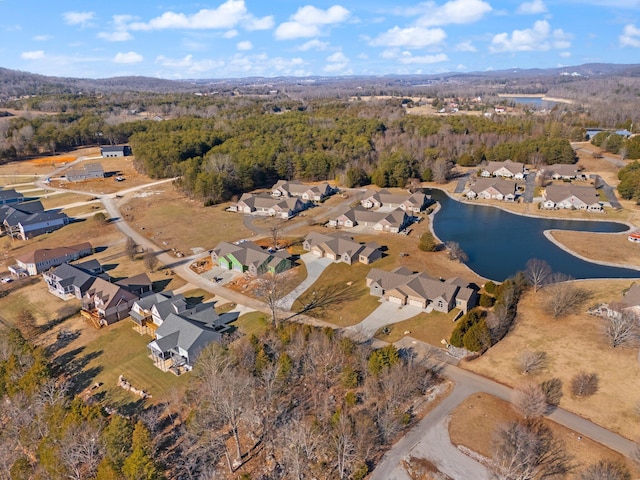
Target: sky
(245, 38)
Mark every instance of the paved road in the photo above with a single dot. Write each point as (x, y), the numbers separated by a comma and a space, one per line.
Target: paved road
(529, 188)
(315, 266)
(387, 313)
(608, 191)
(462, 182)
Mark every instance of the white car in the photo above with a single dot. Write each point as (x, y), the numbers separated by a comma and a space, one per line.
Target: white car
(7, 280)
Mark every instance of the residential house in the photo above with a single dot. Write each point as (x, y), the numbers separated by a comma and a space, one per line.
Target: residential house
(306, 192)
(67, 281)
(341, 248)
(181, 337)
(26, 226)
(139, 285)
(267, 205)
(499, 109)
(413, 203)
(105, 303)
(506, 169)
(86, 171)
(109, 151)
(42, 259)
(571, 197)
(10, 196)
(628, 304)
(247, 257)
(149, 311)
(404, 287)
(563, 171)
(393, 221)
(492, 189)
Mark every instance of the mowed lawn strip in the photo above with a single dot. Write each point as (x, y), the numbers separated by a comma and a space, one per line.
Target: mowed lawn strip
(426, 327)
(572, 344)
(474, 422)
(252, 323)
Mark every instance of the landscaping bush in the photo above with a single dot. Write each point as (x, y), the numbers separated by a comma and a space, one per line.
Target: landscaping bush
(490, 287)
(486, 301)
(427, 242)
(463, 326)
(478, 337)
(584, 384)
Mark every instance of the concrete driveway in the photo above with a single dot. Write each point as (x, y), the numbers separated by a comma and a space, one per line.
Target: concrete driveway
(315, 267)
(386, 314)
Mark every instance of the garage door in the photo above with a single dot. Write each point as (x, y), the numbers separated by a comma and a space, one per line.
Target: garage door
(416, 303)
(398, 300)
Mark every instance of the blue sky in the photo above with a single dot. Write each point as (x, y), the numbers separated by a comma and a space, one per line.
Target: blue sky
(241, 38)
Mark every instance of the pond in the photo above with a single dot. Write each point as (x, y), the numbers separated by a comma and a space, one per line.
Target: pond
(536, 102)
(499, 243)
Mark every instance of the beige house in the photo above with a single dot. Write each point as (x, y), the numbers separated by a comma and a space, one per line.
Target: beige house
(571, 197)
(394, 221)
(413, 203)
(405, 287)
(42, 259)
(316, 193)
(341, 248)
(492, 189)
(506, 169)
(280, 207)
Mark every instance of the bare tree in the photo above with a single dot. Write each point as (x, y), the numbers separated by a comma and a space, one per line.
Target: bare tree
(530, 361)
(441, 170)
(528, 450)
(271, 289)
(274, 233)
(130, 248)
(537, 273)
(584, 384)
(80, 450)
(552, 390)
(622, 330)
(606, 470)
(456, 252)
(565, 296)
(150, 260)
(529, 400)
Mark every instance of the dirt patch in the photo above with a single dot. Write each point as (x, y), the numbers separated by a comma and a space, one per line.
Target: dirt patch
(485, 413)
(572, 344)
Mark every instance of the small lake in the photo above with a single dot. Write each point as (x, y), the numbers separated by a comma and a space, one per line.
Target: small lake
(536, 102)
(500, 243)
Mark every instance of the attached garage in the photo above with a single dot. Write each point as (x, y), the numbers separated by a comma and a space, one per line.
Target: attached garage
(416, 302)
(398, 300)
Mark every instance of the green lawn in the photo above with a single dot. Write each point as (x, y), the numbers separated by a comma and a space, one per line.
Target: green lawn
(252, 323)
(427, 327)
(119, 350)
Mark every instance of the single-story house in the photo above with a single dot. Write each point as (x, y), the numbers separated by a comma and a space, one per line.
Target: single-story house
(341, 248)
(405, 287)
(506, 169)
(571, 197)
(394, 221)
(109, 151)
(247, 257)
(307, 192)
(9, 196)
(85, 172)
(413, 203)
(563, 171)
(272, 206)
(629, 303)
(42, 259)
(492, 189)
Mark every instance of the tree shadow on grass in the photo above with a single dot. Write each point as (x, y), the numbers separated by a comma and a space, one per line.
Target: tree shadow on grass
(85, 378)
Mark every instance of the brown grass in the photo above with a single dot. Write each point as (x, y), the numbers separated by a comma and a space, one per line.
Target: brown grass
(604, 247)
(572, 344)
(426, 327)
(485, 413)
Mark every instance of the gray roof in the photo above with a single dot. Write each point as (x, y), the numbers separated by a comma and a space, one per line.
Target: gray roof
(505, 187)
(14, 213)
(10, 194)
(68, 275)
(558, 193)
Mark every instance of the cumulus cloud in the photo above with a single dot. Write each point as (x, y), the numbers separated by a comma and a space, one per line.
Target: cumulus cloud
(466, 47)
(412, 37)
(454, 12)
(314, 44)
(84, 19)
(538, 38)
(308, 21)
(245, 45)
(128, 58)
(337, 62)
(408, 59)
(188, 65)
(32, 55)
(532, 8)
(230, 34)
(228, 15)
(630, 36)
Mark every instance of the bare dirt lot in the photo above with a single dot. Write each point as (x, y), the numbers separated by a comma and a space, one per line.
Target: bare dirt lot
(485, 413)
(572, 344)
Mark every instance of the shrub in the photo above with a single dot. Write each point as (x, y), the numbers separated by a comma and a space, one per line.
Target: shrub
(478, 337)
(490, 287)
(427, 242)
(584, 384)
(486, 301)
(383, 358)
(464, 324)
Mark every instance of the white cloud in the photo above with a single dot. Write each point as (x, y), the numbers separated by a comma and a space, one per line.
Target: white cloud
(245, 45)
(230, 34)
(187, 65)
(314, 44)
(538, 38)
(532, 8)
(565, 54)
(119, 32)
(630, 36)
(408, 59)
(338, 63)
(84, 19)
(412, 37)
(128, 58)
(466, 47)
(42, 38)
(32, 55)
(453, 12)
(337, 57)
(228, 15)
(308, 22)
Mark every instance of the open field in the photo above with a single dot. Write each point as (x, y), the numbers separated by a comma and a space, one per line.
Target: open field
(158, 211)
(572, 344)
(426, 327)
(60, 199)
(485, 413)
(604, 247)
(43, 165)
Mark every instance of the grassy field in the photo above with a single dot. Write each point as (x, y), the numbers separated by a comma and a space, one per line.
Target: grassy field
(426, 327)
(572, 344)
(61, 199)
(485, 413)
(253, 323)
(619, 250)
(159, 212)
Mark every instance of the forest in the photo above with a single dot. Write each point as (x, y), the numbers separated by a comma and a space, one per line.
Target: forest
(296, 402)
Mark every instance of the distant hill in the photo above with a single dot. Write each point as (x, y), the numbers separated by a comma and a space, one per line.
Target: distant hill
(15, 83)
